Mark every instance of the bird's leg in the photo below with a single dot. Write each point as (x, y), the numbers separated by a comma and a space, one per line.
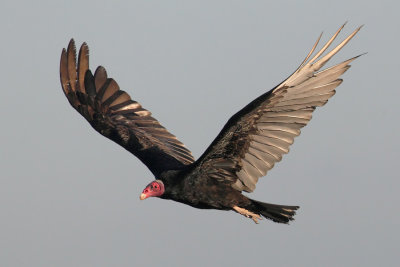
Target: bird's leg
(248, 214)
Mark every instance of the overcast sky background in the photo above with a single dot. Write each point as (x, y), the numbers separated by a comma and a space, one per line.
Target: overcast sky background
(70, 197)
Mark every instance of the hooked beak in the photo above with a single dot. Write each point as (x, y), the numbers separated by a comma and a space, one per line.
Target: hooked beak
(143, 196)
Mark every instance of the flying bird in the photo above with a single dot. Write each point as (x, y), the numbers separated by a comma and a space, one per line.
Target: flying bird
(248, 146)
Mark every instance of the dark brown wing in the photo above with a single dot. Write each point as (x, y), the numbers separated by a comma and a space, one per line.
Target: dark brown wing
(256, 137)
(115, 115)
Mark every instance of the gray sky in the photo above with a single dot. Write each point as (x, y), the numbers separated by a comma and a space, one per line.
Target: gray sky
(70, 197)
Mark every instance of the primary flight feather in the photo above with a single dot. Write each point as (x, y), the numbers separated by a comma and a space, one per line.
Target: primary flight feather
(249, 145)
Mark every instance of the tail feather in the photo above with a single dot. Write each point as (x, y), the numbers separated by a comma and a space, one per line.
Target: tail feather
(274, 212)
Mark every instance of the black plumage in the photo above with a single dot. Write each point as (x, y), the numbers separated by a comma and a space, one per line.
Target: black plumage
(249, 144)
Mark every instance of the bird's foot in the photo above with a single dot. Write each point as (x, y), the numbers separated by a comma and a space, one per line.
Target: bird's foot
(248, 214)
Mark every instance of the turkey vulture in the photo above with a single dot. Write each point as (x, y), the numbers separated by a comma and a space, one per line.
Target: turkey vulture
(249, 145)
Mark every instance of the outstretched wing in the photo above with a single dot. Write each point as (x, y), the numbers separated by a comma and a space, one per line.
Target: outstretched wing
(115, 115)
(256, 137)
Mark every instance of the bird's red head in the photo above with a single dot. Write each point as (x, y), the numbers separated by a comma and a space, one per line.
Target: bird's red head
(153, 189)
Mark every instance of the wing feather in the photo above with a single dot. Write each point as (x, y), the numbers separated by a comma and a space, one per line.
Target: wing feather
(100, 77)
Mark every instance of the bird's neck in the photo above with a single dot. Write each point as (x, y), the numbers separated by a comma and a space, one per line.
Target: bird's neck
(172, 180)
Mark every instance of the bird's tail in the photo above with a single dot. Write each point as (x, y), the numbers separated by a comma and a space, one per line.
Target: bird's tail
(276, 213)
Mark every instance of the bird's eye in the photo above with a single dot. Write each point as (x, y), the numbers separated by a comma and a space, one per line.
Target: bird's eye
(156, 186)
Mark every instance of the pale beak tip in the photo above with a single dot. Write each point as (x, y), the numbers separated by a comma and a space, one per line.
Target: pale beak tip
(142, 196)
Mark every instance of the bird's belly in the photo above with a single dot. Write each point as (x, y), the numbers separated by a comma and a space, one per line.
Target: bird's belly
(211, 198)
